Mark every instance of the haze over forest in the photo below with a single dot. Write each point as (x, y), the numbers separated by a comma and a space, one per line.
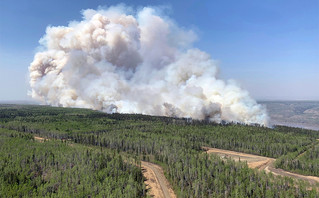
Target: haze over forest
(162, 99)
(140, 52)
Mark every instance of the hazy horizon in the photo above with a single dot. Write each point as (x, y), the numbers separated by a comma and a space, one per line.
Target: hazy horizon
(270, 48)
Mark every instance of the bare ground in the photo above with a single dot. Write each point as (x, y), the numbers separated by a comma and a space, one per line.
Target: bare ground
(156, 181)
(159, 187)
(40, 139)
(261, 163)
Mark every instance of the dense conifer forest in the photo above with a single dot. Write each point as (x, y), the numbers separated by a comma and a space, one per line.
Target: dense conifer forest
(303, 161)
(98, 154)
(54, 168)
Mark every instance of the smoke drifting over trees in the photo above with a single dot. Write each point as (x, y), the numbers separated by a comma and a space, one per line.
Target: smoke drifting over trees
(119, 60)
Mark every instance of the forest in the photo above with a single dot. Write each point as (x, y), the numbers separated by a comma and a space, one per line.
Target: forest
(32, 169)
(90, 153)
(303, 161)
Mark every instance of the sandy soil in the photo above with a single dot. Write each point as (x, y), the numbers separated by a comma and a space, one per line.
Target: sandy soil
(252, 160)
(159, 187)
(40, 139)
(156, 181)
(261, 163)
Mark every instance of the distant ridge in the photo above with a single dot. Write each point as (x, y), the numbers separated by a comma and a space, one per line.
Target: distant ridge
(294, 113)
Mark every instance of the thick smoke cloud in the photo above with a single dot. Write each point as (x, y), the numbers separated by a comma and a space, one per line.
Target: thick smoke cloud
(139, 62)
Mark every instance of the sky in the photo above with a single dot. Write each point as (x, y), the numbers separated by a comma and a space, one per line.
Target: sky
(270, 47)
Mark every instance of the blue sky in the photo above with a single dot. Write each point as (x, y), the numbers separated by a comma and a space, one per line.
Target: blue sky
(270, 47)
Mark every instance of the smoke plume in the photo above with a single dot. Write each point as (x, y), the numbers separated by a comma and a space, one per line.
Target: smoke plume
(117, 60)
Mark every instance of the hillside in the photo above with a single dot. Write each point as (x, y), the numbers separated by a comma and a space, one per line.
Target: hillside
(304, 114)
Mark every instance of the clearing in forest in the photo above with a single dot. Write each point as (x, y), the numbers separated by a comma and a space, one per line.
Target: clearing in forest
(156, 181)
(40, 139)
(261, 163)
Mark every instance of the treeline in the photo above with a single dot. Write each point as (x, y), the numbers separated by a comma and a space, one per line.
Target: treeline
(248, 139)
(55, 169)
(209, 176)
(65, 123)
(304, 162)
(193, 173)
(176, 145)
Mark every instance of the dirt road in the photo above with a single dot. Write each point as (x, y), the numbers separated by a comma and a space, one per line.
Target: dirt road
(156, 181)
(159, 187)
(261, 163)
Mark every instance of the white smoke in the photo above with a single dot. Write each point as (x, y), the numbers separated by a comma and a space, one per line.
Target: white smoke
(135, 63)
